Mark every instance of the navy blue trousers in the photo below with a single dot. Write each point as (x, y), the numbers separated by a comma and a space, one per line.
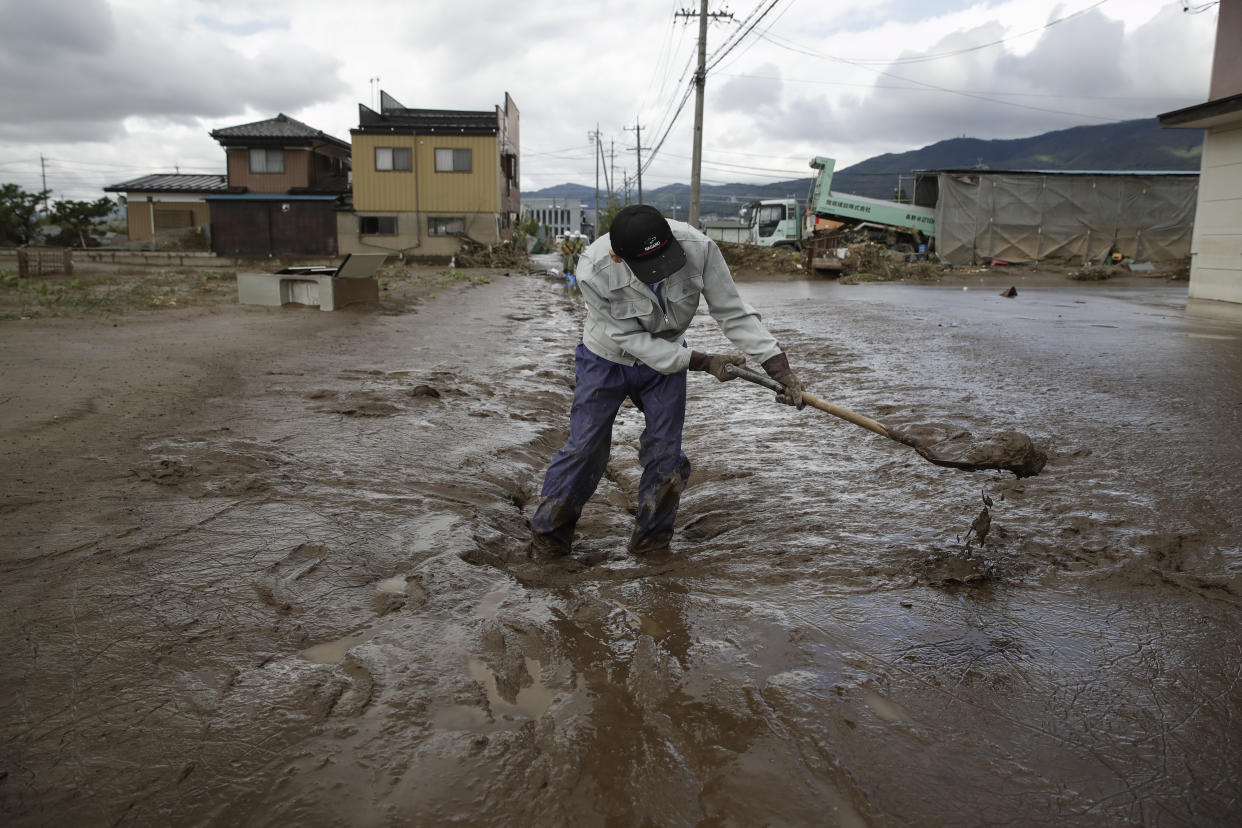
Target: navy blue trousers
(576, 469)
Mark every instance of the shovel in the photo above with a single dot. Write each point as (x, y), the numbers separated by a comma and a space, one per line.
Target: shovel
(1007, 451)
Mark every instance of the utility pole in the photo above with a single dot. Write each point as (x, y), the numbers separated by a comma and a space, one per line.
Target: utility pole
(594, 136)
(43, 169)
(700, 81)
(612, 158)
(638, 134)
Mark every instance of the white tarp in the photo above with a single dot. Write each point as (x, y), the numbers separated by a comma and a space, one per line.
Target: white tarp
(1030, 217)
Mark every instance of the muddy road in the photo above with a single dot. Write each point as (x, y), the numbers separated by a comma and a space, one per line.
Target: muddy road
(274, 579)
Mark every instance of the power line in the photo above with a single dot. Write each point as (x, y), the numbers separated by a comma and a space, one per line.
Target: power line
(729, 46)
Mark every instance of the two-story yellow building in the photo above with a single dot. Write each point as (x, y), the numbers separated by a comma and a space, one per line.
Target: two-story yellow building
(422, 178)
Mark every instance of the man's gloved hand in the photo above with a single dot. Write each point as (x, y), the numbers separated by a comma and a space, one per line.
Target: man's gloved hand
(714, 364)
(778, 369)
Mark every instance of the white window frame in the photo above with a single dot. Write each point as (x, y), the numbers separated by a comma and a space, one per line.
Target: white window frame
(387, 159)
(454, 159)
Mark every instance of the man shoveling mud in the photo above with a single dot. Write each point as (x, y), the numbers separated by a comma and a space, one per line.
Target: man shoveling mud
(642, 283)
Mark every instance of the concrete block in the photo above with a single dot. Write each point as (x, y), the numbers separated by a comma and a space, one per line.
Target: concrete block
(327, 292)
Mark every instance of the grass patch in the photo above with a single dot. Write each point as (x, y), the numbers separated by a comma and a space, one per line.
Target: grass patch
(113, 291)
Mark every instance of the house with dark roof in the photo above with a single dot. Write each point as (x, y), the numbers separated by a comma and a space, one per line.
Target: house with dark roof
(424, 178)
(286, 182)
(167, 203)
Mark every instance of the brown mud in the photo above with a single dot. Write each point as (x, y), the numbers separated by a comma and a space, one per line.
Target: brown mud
(262, 567)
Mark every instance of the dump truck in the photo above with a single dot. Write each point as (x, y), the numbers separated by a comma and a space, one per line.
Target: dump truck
(831, 220)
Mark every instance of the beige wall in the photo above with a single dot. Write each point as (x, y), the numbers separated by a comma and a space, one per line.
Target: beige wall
(422, 188)
(411, 237)
(138, 211)
(296, 174)
(1216, 248)
(1227, 61)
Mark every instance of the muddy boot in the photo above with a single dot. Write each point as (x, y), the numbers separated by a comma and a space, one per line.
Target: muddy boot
(547, 547)
(650, 546)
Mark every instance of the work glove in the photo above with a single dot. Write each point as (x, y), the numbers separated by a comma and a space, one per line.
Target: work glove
(714, 364)
(778, 369)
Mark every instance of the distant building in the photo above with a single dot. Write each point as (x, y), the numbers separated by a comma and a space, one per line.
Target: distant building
(558, 216)
(423, 178)
(1216, 248)
(167, 203)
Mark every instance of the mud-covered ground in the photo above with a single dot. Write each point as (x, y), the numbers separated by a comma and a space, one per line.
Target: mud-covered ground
(260, 567)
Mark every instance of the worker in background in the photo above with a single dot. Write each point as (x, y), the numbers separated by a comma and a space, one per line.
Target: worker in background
(641, 284)
(571, 249)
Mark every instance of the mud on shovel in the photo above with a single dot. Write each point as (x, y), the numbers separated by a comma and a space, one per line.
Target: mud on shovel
(1007, 451)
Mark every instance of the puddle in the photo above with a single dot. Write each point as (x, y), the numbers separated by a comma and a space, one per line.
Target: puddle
(531, 701)
(1210, 336)
(395, 584)
(334, 652)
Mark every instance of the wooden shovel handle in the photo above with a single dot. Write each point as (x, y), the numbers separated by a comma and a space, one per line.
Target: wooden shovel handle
(813, 401)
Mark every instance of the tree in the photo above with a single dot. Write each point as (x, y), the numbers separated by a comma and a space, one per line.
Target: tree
(19, 214)
(79, 218)
(608, 214)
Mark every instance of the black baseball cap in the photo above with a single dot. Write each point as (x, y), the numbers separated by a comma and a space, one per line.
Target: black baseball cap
(640, 234)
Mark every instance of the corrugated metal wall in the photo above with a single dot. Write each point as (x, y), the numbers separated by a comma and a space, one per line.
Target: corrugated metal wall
(444, 193)
(391, 190)
(459, 192)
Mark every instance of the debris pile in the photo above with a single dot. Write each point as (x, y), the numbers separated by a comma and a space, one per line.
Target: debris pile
(870, 258)
(498, 254)
(756, 259)
(871, 261)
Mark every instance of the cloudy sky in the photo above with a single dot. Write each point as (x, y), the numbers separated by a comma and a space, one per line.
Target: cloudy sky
(96, 92)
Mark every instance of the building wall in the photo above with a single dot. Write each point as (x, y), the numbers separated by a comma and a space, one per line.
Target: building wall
(1226, 66)
(555, 215)
(390, 190)
(1216, 248)
(170, 209)
(297, 172)
(422, 188)
(510, 189)
(412, 237)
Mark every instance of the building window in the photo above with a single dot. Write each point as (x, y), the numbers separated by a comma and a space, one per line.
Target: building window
(438, 226)
(392, 159)
(267, 161)
(377, 225)
(452, 160)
